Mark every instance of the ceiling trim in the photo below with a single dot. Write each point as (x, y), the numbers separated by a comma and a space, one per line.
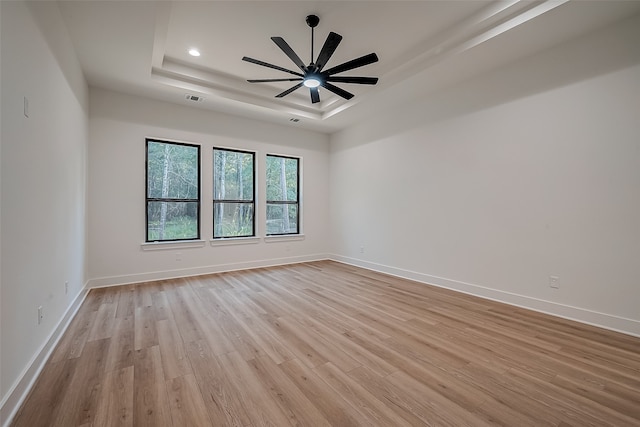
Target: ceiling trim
(496, 19)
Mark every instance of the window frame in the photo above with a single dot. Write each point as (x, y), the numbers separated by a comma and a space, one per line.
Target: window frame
(214, 201)
(286, 202)
(160, 199)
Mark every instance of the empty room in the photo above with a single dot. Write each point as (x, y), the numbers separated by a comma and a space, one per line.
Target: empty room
(320, 213)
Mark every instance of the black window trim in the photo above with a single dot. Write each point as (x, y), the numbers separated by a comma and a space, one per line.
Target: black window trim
(252, 201)
(288, 202)
(160, 199)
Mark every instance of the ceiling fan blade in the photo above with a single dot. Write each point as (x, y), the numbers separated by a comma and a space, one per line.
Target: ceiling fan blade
(288, 91)
(315, 95)
(330, 46)
(340, 92)
(289, 52)
(354, 63)
(272, 80)
(266, 64)
(357, 80)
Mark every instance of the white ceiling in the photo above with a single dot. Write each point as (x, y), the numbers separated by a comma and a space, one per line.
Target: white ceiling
(140, 47)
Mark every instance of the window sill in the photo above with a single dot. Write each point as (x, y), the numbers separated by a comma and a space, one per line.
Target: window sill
(234, 241)
(284, 238)
(182, 244)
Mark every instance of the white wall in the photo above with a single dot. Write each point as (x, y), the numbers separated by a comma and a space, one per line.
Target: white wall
(494, 185)
(43, 177)
(118, 127)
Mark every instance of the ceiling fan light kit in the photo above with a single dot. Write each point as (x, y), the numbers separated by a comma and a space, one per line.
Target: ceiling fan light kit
(313, 76)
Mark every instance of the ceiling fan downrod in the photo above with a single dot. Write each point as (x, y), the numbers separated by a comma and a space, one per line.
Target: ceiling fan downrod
(312, 21)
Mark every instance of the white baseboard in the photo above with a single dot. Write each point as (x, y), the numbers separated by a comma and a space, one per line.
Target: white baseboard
(20, 389)
(594, 318)
(199, 271)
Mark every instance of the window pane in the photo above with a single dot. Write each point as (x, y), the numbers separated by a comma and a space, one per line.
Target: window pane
(282, 179)
(233, 175)
(232, 220)
(233, 180)
(172, 171)
(282, 218)
(172, 220)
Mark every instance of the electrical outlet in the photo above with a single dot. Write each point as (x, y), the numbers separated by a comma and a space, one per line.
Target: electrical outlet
(66, 287)
(361, 249)
(554, 282)
(40, 314)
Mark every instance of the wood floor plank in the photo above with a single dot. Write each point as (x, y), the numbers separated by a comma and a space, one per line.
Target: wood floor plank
(121, 346)
(104, 322)
(94, 299)
(234, 332)
(180, 300)
(582, 406)
(259, 405)
(372, 411)
(185, 402)
(292, 402)
(115, 407)
(442, 410)
(150, 398)
(73, 341)
(211, 319)
(47, 395)
(398, 401)
(222, 400)
(304, 309)
(337, 411)
(441, 378)
(325, 343)
(161, 309)
(258, 329)
(142, 295)
(596, 393)
(79, 403)
(126, 301)
(174, 359)
(500, 388)
(358, 354)
(145, 331)
(299, 341)
(325, 348)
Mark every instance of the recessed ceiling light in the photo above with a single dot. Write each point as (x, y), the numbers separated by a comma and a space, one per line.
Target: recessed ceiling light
(194, 52)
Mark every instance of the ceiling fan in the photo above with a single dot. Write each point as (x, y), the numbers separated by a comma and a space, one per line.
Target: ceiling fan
(312, 75)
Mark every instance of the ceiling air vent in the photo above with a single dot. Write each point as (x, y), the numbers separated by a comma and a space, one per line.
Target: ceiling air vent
(195, 98)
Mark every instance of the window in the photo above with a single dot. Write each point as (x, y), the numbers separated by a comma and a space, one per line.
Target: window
(173, 191)
(283, 195)
(233, 193)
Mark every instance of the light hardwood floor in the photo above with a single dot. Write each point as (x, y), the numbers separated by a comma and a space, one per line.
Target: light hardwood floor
(322, 344)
